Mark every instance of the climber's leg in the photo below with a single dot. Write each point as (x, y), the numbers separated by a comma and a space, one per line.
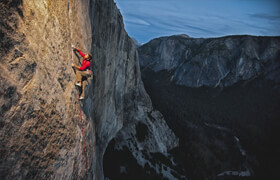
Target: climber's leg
(84, 83)
(78, 76)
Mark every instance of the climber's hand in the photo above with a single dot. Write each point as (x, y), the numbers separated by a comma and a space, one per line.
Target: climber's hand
(74, 48)
(73, 65)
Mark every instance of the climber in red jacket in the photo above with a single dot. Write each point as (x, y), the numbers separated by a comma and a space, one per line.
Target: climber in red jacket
(83, 72)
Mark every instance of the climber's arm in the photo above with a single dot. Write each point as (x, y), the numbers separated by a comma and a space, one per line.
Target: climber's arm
(74, 48)
(84, 66)
(75, 66)
(82, 54)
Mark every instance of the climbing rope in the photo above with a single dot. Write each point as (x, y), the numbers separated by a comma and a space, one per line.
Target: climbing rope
(81, 117)
(84, 145)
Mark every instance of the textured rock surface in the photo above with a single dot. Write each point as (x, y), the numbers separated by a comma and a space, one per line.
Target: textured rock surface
(40, 127)
(119, 98)
(213, 62)
(40, 131)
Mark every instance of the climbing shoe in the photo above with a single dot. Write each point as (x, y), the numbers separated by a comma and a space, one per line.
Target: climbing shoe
(78, 84)
(81, 98)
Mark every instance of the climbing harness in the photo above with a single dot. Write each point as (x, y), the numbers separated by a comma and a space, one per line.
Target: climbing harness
(89, 73)
(84, 145)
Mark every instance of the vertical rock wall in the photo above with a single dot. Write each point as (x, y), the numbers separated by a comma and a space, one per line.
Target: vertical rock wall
(40, 125)
(119, 99)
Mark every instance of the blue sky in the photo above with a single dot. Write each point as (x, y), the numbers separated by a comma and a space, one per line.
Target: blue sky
(148, 19)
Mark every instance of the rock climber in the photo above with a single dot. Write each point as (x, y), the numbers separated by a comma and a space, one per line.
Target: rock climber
(83, 72)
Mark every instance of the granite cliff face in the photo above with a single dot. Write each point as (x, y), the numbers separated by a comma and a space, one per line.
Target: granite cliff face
(120, 102)
(220, 96)
(213, 62)
(40, 126)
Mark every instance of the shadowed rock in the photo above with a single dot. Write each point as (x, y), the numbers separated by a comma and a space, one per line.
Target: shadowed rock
(220, 96)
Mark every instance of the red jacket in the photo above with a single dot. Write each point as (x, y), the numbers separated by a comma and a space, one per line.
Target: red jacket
(85, 64)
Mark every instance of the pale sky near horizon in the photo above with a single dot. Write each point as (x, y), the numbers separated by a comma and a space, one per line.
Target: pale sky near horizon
(148, 19)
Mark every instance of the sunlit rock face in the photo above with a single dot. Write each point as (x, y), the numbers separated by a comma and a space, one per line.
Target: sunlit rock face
(215, 61)
(41, 132)
(40, 126)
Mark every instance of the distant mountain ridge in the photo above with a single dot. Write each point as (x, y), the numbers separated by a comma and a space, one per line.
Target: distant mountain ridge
(220, 96)
(196, 62)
